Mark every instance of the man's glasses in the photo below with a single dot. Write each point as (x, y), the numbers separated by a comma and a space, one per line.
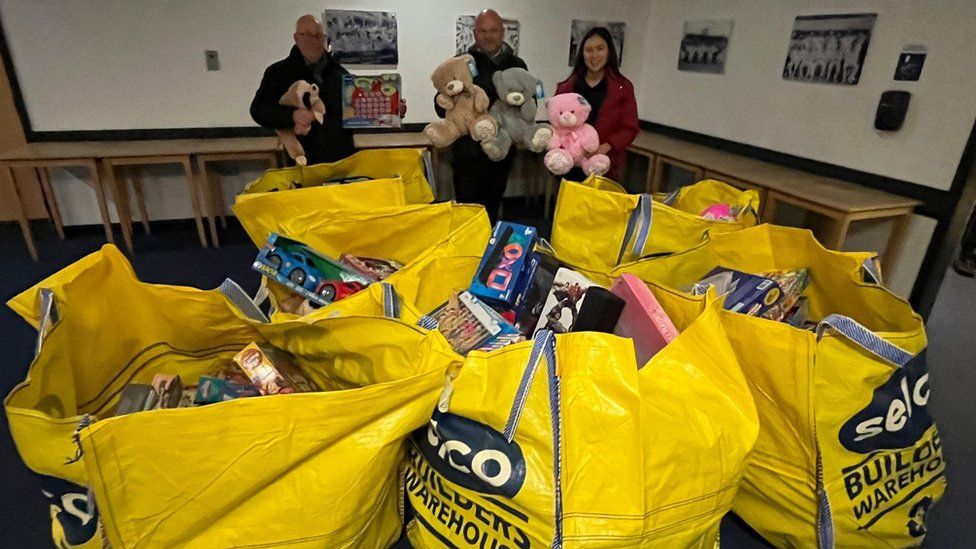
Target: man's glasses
(316, 37)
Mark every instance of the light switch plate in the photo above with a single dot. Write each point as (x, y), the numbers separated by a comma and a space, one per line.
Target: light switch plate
(213, 63)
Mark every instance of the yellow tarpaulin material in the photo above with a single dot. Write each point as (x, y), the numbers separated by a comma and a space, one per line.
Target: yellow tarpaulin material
(408, 165)
(564, 442)
(695, 198)
(414, 235)
(300, 470)
(848, 454)
(598, 226)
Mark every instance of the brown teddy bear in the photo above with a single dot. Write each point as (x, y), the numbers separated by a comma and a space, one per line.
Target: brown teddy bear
(300, 95)
(466, 104)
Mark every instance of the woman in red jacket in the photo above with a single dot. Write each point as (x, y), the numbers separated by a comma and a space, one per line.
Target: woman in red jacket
(597, 77)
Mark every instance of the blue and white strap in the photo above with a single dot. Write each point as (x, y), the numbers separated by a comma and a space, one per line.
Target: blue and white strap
(236, 295)
(638, 227)
(49, 317)
(872, 271)
(544, 347)
(865, 338)
(671, 198)
(391, 301)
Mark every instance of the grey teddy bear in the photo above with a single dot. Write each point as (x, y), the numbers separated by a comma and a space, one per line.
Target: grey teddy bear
(515, 112)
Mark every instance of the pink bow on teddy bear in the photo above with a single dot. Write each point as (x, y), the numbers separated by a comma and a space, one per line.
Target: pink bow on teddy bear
(573, 141)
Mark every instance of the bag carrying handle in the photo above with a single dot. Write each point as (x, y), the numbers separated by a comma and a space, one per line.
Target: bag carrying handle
(671, 198)
(543, 348)
(865, 338)
(872, 271)
(638, 227)
(247, 306)
(391, 301)
(49, 317)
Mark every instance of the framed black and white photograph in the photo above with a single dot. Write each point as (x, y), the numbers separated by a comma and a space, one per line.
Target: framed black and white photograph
(362, 37)
(464, 33)
(579, 29)
(910, 62)
(828, 49)
(705, 45)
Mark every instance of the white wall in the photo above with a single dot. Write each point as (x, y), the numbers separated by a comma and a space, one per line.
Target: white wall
(122, 64)
(751, 103)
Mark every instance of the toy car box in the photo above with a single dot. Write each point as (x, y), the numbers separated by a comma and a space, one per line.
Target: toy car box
(503, 265)
(305, 271)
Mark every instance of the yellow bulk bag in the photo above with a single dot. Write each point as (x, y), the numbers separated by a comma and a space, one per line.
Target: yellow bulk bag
(695, 198)
(408, 165)
(562, 442)
(302, 470)
(847, 454)
(597, 226)
(409, 235)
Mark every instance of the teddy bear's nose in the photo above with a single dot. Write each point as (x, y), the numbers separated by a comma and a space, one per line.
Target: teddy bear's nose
(568, 119)
(515, 98)
(455, 87)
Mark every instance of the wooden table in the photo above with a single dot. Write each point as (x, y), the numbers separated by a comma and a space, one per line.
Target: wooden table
(839, 201)
(102, 158)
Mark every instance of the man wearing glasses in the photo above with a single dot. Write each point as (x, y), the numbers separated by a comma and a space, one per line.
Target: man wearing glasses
(307, 61)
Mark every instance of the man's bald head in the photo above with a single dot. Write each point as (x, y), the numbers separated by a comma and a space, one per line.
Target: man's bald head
(488, 31)
(309, 38)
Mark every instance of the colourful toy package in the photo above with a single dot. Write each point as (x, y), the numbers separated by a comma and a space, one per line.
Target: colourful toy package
(503, 265)
(371, 101)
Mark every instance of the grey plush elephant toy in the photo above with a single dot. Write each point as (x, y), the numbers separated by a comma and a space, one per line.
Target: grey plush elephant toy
(515, 112)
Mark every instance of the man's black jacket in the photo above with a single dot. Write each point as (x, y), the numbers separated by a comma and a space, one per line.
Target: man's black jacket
(324, 143)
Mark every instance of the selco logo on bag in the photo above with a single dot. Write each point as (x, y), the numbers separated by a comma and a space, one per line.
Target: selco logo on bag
(472, 454)
(897, 415)
(76, 515)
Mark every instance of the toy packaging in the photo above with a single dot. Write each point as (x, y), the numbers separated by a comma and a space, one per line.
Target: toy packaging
(371, 101)
(136, 397)
(469, 324)
(530, 308)
(306, 272)
(744, 293)
(168, 389)
(273, 371)
(563, 303)
(599, 312)
(216, 389)
(792, 283)
(642, 319)
(501, 274)
(372, 267)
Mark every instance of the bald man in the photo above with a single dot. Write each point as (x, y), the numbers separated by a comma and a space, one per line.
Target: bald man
(307, 61)
(476, 178)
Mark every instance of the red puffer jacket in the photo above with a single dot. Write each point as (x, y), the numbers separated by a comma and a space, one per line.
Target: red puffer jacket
(616, 123)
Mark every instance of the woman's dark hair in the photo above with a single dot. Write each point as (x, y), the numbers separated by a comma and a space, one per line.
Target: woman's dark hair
(613, 64)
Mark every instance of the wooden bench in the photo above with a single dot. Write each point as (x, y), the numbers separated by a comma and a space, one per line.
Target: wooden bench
(840, 202)
(103, 159)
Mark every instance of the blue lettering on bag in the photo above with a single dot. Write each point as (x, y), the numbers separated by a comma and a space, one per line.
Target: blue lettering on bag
(897, 416)
(472, 455)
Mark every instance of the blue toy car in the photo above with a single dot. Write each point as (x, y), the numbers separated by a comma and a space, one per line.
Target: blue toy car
(307, 272)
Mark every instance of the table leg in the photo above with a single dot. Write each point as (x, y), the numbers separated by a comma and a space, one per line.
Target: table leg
(839, 228)
(658, 175)
(649, 179)
(210, 193)
(120, 195)
(50, 200)
(893, 249)
(21, 214)
(195, 201)
(769, 209)
(133, 172)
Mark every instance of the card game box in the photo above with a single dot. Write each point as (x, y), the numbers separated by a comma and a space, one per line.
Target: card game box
(501, 274)
(273, 371)
(562, 306)
(371, 101)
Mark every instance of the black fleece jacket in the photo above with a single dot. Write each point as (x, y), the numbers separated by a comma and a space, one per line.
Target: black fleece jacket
(327, 142)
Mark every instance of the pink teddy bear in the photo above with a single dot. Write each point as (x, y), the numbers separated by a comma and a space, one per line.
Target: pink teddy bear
(573, 141)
